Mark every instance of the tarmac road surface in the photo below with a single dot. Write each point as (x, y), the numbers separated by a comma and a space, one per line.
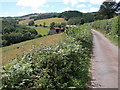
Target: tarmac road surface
(104, 62)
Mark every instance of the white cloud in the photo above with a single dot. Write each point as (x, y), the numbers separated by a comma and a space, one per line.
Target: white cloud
(92, 9)
(34, 4)
(100, 1)
(52, 6)
(83, 0)
(81, 6)
(8, 0)
(22, 7)
(21, 14)
(73, 2)
(38, 11)
(96, 1)
(89, 5)
(48, 6)
(66, 9)
(84, 10)
(32, 11)
(117, 0)
(13, 15)
(65, 1)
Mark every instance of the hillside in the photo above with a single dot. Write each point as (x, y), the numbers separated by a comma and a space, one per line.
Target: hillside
(11, 52)
(25, 22)
(41, 21)
(41, 30)
(50, 20)
(63, 60)
(28, 16)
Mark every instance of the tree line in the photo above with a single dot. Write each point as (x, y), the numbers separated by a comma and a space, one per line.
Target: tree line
(13, 33)
(107, 10)
(46, 15)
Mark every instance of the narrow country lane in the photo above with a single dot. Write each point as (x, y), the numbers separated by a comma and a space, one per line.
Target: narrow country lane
(104, 62)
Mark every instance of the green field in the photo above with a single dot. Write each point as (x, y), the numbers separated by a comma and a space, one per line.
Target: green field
(50, 20)
(25, 22)
(10, 52)
(41, 30)
(41, 21)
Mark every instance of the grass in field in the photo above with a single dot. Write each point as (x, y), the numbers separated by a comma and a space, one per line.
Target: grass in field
(10, 52)
(25, 22)
(50, 20)
(47, 21)
(41, 30)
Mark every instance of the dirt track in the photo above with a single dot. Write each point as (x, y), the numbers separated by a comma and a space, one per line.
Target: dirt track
(105, 62)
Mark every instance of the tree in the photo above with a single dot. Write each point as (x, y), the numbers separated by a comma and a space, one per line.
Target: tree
(89, 17)
(40, 25)
(36, 25)
(82, 21)
(118, 8)
(14, 33)
(74, 21)
(44, 24)
(70, 14)
(31, 23)
(58, 25)
(107, 10)
(63, 25)
(52, 25)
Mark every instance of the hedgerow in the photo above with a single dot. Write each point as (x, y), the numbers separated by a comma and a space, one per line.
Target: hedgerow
(65, 65)
(109, 27)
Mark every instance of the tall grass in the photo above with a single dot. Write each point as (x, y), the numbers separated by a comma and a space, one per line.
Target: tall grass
(110, 27)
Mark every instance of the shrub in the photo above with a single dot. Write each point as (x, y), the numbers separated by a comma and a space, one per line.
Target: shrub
(64, 66)
(31, 23)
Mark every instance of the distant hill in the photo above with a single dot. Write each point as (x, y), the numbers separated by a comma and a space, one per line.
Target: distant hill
(50, 20)
(41, 21)
(28, 16)
(40, 18)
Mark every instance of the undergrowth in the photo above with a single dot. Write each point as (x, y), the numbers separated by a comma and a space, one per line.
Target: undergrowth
(65, 65)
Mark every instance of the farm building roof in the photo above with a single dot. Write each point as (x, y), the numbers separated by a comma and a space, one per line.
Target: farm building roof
(56, 28)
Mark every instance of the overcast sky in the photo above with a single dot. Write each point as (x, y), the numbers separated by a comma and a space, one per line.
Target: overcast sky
(23, 7)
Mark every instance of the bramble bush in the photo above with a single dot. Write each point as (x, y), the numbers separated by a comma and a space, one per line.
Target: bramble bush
(65, 65)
